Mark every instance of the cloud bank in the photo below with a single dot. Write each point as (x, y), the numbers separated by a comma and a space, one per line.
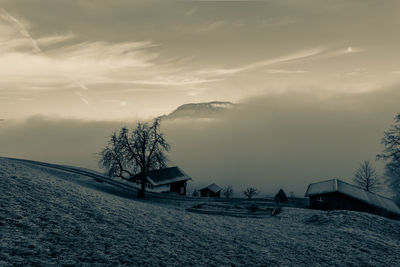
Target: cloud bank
(277, 141)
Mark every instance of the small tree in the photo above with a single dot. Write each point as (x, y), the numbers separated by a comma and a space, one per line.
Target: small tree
(135, 151)
(250, 192)
(391, 154)
(195, 193)
(366, 177)
(228, 192)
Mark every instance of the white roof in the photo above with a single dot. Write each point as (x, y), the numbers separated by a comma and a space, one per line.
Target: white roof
(164, 176)
(169, 181)
(336, 185)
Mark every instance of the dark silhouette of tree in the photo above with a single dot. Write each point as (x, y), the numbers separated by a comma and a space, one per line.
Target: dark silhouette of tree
(114, 158)
(195, 193)
(366, 177)
(228, 192)
(250, 192)
(391, 154)
(139, 150)
(281, 197)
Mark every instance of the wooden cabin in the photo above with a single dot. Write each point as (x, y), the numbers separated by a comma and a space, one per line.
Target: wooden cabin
(167, 180)
(212, 190)
(335, 194)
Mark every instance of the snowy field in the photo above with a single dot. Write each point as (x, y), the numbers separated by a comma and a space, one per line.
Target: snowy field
(50, 217)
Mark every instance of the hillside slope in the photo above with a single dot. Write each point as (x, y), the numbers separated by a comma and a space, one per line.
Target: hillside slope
(55, 217)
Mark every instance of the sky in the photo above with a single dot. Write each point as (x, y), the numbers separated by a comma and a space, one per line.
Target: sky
(108, 60)
(307, 75)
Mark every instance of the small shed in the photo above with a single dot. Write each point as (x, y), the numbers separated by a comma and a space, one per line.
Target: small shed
(336, 194)
(281, 197)
(212, 190)
(171, 179)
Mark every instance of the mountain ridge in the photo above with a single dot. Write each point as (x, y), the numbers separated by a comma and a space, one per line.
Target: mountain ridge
(199, 110)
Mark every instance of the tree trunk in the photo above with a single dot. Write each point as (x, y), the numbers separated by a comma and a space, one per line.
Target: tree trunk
(142, 191)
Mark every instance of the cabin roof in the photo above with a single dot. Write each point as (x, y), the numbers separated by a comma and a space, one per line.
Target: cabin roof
(212, 187)
(336, 185)
(165, 176)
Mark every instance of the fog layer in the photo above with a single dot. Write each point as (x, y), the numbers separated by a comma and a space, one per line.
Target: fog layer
(277, 141)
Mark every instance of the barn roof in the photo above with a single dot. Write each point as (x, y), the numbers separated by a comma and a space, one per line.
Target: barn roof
(165, 176)
(213, 187)
(336, 185)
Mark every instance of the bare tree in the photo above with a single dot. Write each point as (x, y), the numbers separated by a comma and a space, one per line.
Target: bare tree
(135, 151)
(228, 192)
(391, 154)
(250, 192)
(366, 177)
(113, 158)
(195, 193)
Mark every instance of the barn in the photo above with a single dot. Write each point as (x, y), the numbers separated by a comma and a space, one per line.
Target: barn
(336, 194)
(212, 190)
(172, 180)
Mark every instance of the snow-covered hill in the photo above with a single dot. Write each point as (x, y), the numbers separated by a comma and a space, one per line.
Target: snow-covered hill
(199, 110)
(52, 217)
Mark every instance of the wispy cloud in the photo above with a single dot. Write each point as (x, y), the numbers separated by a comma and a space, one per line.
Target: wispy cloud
(191, 11)
(205, 27)
(81, 65)
(278, 21)
(311, 54)
(344, 51)
(21, 27)
(174, 82)
(82, 98)
(54, 65)
(54, 39)
(211, 26)
(265, 63)
(80, 85)
(22, 47)
(280, 71)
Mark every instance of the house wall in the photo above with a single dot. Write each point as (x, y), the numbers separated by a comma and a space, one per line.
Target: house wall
(178, 187)
(161, 188)
(208, 193)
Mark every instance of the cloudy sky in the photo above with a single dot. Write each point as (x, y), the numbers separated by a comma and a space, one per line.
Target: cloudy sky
(318, 82)
(117, 59)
